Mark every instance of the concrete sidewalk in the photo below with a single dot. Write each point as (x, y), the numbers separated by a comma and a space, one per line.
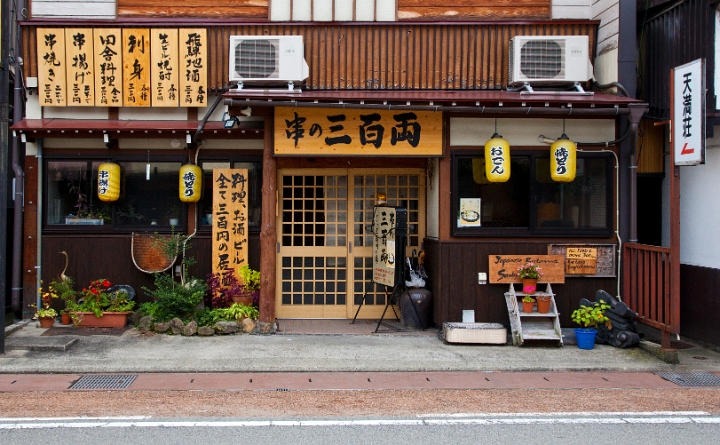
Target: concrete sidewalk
(27, 351)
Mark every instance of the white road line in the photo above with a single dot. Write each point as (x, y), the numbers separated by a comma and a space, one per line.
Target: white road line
(574, 413)
(698, 417)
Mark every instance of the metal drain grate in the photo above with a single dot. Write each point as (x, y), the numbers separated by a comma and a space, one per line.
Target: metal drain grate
(691, 378)
(104, 382)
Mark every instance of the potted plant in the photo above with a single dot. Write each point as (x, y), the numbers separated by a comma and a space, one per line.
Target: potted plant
(226, 288)
(530, 273)
(46, 314)
(588, 317)
(63, 289)
(83, 212)
(543, 303)
(528, 303)
(99, 308)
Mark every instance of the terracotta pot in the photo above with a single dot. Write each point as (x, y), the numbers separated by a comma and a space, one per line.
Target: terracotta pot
(529, 285)
(527, 306)
(543, 304)
(65, 318)
(108, 320)
(246, 299)
(46, 322)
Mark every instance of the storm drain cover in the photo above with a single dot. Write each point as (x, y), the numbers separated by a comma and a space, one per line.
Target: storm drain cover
(691, 378)
(104, 382)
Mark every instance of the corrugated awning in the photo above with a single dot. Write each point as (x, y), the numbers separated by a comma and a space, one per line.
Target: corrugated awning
(35, 128)
(465, 101)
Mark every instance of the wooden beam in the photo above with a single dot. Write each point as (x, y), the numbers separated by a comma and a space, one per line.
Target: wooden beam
(268, 233)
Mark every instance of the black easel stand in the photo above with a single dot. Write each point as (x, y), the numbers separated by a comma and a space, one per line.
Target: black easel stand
(390, 298)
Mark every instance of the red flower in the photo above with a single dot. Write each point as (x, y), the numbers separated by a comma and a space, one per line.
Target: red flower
(106, 283)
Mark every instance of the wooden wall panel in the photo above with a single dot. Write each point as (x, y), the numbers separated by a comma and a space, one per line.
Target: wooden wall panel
(699, 303)
(651, 143)
(30, 257)
(385, 56)
(473, 9)
(247, 9)
(453, 267)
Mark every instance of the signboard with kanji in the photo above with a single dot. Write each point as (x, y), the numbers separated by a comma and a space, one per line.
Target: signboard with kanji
(229, 220)
(108, 67)
(193, 72)
(688, 122)
(389, 230)
(52, 88)
(164, 81)
(79, 56)
(136, 67)
(353, 132)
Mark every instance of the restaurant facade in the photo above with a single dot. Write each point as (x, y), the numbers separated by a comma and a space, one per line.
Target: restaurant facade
(395, 104)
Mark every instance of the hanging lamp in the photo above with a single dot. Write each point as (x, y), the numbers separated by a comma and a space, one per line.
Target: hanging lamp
(497, 158)
(190, 183)
(108, 182)
(563, 158)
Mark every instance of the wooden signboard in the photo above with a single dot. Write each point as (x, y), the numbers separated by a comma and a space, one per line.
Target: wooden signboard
(193, 69)
(581, 261)
(504, 268)
(108, 67)
(229, 220)
(582, 264)
(51, 67)
(389, 226)
(136, 67)
(164, 72)
(352, 132)
(80, 66)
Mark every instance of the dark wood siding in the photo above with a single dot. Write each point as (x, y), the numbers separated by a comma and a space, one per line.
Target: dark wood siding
(453, 279)
(699, 303)
(388, 56)
(108, 256)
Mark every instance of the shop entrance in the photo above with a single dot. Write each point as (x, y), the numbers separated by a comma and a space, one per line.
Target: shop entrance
(324, 261)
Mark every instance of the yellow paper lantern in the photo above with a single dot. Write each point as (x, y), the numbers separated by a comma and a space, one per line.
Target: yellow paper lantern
(190, 183)
(108, 182)
(563, 155)
(497, 159)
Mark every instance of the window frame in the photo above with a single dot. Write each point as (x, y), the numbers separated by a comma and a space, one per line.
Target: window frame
(533, 229)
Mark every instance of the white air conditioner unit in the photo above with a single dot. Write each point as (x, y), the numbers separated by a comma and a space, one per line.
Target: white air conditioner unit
(549, 59)
(267, 59)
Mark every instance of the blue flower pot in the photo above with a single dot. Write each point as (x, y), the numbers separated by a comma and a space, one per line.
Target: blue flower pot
(585, 337)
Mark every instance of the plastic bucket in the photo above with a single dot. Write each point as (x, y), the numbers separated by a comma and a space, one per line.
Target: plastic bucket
(585, 337)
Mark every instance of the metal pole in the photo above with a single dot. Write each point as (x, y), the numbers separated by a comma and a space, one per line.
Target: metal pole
(5, 22)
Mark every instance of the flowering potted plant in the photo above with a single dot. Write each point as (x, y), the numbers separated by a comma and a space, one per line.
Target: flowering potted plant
(227, 288)
(530, 273)
(589, 317)
(99, 308)
(46, 314)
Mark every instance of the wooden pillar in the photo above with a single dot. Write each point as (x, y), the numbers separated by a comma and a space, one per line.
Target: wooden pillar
(674, 322)
(268, 232)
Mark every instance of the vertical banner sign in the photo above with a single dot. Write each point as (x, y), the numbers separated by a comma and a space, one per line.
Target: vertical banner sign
(229, 221)
(136, 67)
(193, 71)
(108, 67)
(688, 122)
(51, 67)
(164, 67)
(384, 260)
(80, 66)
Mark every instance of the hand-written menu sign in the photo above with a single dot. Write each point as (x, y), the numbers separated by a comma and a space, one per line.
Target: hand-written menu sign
(581, 261)
(115, 67)
(108, 67)
(229, 221)
(51, 67)
(384, 260)
(504, 268)
(351, 132)
(80, 65)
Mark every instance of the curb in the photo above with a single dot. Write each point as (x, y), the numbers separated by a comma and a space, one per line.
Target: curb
(667, 355)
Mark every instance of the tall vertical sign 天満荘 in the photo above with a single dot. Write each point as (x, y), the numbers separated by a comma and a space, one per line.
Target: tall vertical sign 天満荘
(229, 220)
(688, 113)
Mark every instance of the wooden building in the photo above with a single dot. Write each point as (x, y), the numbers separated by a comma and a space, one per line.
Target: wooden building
(399, 98)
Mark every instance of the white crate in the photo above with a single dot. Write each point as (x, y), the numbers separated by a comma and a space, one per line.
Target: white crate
(489, 333)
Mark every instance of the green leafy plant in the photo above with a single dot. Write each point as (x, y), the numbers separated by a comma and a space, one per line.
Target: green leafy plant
(45, 312)
(592, 316)
(174, 245)
(172, 299)
(208, 317)
(530, 270)
(238, 311)
(250, 278)
(96, 299)
(528, 299)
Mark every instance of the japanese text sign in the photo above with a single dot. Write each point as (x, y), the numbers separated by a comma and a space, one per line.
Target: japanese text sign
(688, 118)
(352, 132)
(384, 260)
(229, 220)
(114, 67)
